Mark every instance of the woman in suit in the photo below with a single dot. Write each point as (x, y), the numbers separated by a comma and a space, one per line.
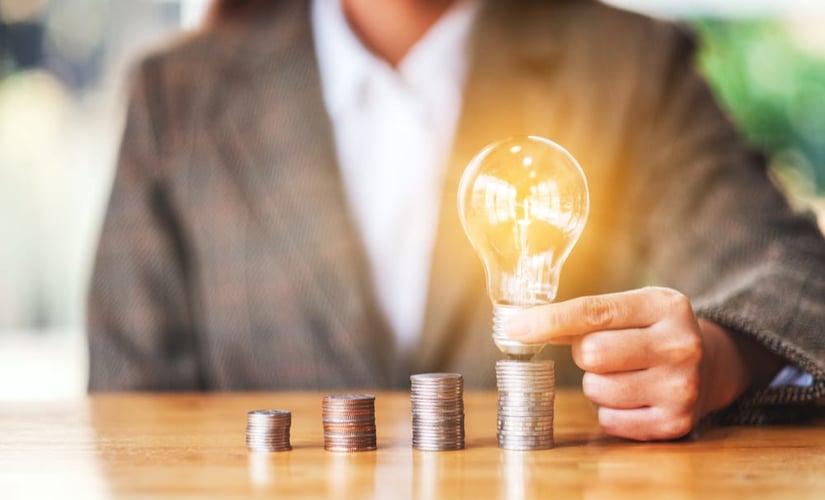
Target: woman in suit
(283, 213)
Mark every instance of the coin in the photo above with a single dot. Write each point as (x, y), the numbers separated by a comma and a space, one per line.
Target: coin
(525, 404)
(437, 411)
(349, 422)
(268, 430)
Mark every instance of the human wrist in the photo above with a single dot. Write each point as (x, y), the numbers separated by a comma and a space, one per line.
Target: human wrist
(725, 373)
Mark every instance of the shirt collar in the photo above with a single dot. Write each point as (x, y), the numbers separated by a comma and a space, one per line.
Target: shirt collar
(437, 60)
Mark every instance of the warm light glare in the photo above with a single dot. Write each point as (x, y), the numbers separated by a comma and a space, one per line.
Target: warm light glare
(523, 203)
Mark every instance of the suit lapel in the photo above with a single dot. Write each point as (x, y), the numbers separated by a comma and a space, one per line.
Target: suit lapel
(511, 68)
(277, 140)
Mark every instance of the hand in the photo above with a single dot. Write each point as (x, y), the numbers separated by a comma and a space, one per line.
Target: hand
(648, 361)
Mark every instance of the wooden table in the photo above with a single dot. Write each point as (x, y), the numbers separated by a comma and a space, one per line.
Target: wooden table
(193, 445)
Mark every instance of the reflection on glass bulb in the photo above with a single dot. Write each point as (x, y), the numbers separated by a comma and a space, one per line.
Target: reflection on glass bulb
(523, 202)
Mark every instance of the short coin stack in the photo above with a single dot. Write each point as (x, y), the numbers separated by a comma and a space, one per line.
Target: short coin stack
(526, 394)
(268, 430)
(349, 422)
(437, 411)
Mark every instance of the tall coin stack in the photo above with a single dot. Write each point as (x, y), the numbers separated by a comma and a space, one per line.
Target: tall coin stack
(349, 422)
(437, 411)
(268, 430)
(527, 390)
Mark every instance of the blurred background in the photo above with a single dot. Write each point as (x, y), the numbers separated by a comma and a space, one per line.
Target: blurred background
(63, 66)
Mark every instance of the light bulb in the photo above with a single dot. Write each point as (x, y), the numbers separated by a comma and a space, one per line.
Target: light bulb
(523, 202)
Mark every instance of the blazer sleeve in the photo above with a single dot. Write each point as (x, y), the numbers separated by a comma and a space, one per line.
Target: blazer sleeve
(139, 317)
(715, 227)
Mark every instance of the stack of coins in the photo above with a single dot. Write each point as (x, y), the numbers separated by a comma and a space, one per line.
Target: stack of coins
(268, 430)
(526, 394)
(349, 422)
(438, 411)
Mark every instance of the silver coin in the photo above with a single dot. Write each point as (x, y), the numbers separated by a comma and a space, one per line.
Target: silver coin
(525, 404)
(437, 411)
(268, 430)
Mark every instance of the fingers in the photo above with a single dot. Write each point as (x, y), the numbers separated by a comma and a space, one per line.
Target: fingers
(655, 403)
(641, 351)
(646, 424)
(666, 387)
(633, 309)
(623, 391)
(613, 351)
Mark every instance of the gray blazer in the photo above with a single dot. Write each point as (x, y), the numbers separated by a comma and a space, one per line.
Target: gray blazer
(229, 259)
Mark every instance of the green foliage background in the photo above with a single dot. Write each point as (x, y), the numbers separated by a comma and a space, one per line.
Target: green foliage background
(774, 90)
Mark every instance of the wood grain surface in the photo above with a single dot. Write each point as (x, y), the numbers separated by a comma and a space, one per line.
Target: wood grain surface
(192, 445)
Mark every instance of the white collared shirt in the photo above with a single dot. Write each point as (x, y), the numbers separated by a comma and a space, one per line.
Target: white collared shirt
(393, 130)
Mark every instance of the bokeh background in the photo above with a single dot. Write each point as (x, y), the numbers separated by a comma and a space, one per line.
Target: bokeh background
(63, 67)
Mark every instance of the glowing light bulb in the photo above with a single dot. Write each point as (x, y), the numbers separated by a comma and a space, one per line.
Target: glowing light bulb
(523, 202)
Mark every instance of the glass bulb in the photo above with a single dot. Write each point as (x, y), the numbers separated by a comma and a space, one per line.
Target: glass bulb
(523, 202)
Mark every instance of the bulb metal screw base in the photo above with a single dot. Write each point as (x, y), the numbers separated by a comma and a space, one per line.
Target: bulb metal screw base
(513, 349)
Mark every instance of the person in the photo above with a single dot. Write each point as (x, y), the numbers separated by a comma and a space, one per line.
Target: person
(283, 214)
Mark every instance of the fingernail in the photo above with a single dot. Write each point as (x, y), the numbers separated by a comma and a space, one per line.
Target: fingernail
(517, 326)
